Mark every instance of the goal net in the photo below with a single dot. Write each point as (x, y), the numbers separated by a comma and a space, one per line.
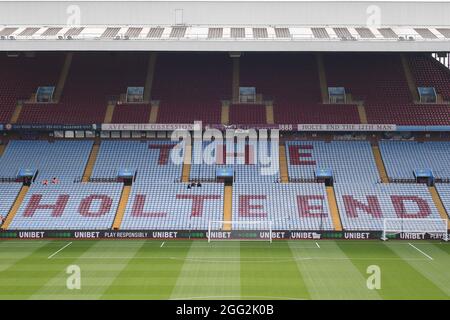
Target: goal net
(393, 226)
(240, 230)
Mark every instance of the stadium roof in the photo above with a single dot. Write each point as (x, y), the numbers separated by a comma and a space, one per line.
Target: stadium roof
(226, 25)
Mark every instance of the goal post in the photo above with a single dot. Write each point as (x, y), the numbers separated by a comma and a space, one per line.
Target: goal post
(412, 225)
(240, 230)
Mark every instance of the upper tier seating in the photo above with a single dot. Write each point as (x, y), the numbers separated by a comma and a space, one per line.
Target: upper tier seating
(21, 76)
(401, 158)
(8, 194)
(289, 206)
(292, 82)
(94, 78)
(246, 161)
(247, 114)
(350, 161)
(77, 206)
(190, 86)
(131, 113)
(428, 73)
(364, 207)
(64, 160)
(379, 80)
(151, 160)
(173, 207)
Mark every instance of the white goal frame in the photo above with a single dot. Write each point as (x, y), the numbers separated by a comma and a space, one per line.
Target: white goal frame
(387, 229)
(267, 226)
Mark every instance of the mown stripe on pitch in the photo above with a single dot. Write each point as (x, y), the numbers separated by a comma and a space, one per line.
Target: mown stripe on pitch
(36, 268)
(398, 279)
(437, 270)
(13, 251)
(269, 270)
(148, 278)
(99, 267)
(328, 272)
(211, 271)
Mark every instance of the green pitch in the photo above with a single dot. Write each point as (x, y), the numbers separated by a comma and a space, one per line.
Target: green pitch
(140, 269)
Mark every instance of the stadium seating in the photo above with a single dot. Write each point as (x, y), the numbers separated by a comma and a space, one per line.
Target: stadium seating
(151, 160)
(173, 207)
(444, 194)
(93, 80)
(21, 76)
(8, 194)
(246, 164)
(365, 206)
(428, 73)
(291, 81)
(131, 113)
(247, 114)
(190, 86)
(68, 207)
(350, 161)
(65, 160)
(401, 158)
(289, 206)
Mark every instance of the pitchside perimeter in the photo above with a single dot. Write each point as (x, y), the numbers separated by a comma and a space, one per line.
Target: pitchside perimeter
(143, 269)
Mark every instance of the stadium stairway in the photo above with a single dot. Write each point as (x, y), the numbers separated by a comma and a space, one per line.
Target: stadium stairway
(154, 113)
(225, 114)
(334, 211)
(438, 203)
(322, 78)
(91, 161)
(121, 207)
(63, 77)
(2, 148)
(409, 78)
(15, 207)
(380, 164)
(269, 113)
(228, 207)
(16, 114)
(235, 80)
(149, 78)
(109, 112)
(362, 113)
(187, 164)
(284, 174)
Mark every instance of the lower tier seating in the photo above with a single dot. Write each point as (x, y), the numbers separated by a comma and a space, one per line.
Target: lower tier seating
(401, 158)
(173, 207)
(8, 194)
(364, 207)
(64, 160)
(350, 161)
(81, 206)
(289, 206)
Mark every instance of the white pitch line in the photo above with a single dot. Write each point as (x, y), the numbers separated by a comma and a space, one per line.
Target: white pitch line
(162, 244)
(51, 256)
(317, 245)
(420, 251)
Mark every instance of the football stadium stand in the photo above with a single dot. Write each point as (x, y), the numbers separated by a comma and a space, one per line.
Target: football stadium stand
(291, 206)
(149, 160)
(402, 158)
(173, 207)
(365, 206)
(68, 207)
(349, 161)
(63, 160)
